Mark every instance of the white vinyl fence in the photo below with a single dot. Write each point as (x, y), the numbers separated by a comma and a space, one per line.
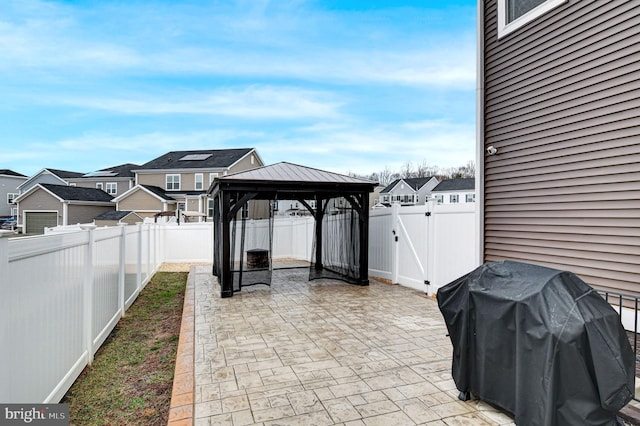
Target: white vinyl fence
(423, 247)
(63, 292)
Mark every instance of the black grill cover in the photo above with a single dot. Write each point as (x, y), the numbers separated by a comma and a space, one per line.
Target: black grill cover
(539, 343)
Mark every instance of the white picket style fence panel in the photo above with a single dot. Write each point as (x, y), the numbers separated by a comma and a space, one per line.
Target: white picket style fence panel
(64, 292)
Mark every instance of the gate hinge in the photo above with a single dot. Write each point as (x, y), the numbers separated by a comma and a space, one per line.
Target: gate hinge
(426, 282)
(427, 214)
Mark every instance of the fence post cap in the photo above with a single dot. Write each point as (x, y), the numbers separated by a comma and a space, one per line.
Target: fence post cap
(88, 227)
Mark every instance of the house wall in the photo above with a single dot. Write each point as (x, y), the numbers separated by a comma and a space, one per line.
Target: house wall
(462, 196)
(39, 199)
(41, 178)
(140, 201)
(85, 213)
(425, 190)
(562, 107)
(123, 184)
(8, 185)
(245, 164)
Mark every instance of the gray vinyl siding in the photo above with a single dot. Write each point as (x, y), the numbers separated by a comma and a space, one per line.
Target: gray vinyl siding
(562, 106)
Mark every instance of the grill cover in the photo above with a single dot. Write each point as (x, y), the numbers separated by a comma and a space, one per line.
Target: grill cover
(539, 343)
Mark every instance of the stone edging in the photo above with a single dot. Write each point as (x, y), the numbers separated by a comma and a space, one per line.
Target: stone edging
(183, 393)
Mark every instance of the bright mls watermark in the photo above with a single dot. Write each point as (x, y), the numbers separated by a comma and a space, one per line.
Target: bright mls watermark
(36, 414)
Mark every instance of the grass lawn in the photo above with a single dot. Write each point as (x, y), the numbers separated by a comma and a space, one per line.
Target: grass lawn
(131, 377)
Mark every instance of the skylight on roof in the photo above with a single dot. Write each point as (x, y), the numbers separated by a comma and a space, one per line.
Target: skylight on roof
(196, 157)
(100, 173)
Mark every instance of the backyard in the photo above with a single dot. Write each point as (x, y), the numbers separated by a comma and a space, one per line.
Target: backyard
(131, 378)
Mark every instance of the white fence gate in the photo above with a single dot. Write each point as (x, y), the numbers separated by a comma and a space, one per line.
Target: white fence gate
(423, 247)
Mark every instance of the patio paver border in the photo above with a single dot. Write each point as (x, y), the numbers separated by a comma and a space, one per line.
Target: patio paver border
(183, 393)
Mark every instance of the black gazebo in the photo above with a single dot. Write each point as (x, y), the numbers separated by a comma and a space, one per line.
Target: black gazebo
(339, 205)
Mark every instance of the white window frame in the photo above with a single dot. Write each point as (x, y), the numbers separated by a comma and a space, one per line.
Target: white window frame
(210, 207)
(505, 27)
(212, 177)
(11, 196)
(454, 198)
(99, 185)
(111, 188)
(196, 181)
(470, 198)
(175, 185)
(440, 199)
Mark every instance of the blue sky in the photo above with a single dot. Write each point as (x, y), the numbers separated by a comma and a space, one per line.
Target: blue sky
(346, 86)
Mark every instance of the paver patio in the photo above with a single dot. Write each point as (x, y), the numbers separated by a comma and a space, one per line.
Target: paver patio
(324, 352)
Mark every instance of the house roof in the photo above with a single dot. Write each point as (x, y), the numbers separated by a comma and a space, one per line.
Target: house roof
(462, 184)
(415, 183)
(156, 190)
(201, 159)
(114, 215)
(8, 172)
(123, 170)
(76, 193)
(64, 173)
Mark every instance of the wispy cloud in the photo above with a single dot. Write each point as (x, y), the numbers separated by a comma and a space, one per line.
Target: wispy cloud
(253, 102)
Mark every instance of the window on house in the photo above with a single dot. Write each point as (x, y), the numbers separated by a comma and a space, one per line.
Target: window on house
(209, 207)
(14, 211)
(470, 198)
(198, 182)
(385, 198)
(10, 197)
(173, 182)
(212, 176)
(440, 199)
(112, 188)
(453, 198)
(99, 185)
(513, 14)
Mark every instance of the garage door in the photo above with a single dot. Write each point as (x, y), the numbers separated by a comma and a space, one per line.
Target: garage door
(35, 222)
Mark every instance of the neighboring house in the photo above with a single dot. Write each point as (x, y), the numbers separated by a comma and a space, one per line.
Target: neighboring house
(117, 217)
(50, 176)
(292, 208)
(146, 201)
(408, 192)
(455, 191)
(46, 205)
(9, 183)
(374, 197)
(114, 181)
(180, 179)
(559, 137)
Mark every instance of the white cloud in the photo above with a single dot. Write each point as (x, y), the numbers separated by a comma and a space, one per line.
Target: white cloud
(253, 102)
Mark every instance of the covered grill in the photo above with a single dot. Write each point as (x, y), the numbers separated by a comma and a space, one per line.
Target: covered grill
(539, 343)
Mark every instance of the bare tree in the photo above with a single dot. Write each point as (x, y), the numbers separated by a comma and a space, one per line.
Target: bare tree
(406, 171)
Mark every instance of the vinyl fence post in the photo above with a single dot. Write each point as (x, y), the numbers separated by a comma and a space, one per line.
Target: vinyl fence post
(88, 292)
(431, 265)
(395, 253)
(139, 258)
(148, 226)
(123, 270)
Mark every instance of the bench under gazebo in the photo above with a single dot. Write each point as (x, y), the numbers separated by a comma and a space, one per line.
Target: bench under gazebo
(339, 205)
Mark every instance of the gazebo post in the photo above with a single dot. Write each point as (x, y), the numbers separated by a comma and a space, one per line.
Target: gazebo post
(319, 216)
(226, 285)
(364, 239)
